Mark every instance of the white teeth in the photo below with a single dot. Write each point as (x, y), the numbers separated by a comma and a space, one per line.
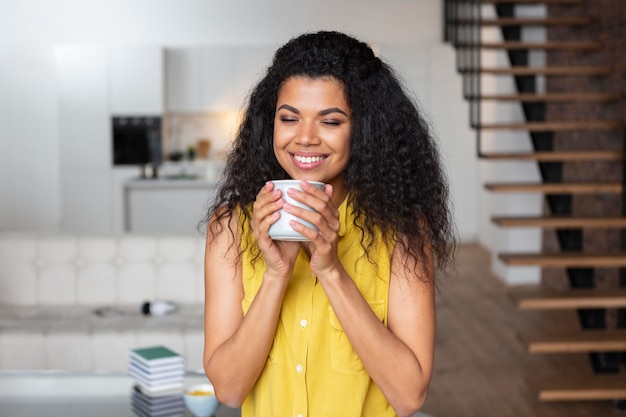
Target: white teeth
(308, 159)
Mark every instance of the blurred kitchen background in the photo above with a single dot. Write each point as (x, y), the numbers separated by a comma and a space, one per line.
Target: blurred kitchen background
(74, 73)
(115, 119)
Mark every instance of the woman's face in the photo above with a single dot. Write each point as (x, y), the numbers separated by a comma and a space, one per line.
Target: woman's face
(312, 131)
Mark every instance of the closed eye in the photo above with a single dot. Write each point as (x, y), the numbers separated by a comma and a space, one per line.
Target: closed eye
(288, 119)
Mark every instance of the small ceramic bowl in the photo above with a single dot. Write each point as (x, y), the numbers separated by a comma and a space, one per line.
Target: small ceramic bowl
(201, 400)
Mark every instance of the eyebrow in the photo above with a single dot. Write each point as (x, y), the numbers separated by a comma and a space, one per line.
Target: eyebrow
(321, 113)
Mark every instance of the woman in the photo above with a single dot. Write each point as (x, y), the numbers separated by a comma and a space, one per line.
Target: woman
(344, 324)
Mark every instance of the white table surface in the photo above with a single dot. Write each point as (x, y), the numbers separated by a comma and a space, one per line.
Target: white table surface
(70, 394)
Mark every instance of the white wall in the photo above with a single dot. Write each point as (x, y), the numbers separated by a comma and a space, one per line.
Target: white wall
(190, 22)
(430, 68)
(408, 31)
(507, 204)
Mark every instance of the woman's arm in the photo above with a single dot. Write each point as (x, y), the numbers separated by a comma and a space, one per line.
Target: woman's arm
(399, 358)
(236, 347)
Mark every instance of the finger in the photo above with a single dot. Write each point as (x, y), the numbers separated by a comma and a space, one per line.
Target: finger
(311, 234)
(312, 197)
(328, 189)
(267, 204)
(311, 189)
(329, 229)
(267, 192)
(324, 215)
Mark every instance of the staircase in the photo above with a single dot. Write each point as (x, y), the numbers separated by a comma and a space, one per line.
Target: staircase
(574, 112)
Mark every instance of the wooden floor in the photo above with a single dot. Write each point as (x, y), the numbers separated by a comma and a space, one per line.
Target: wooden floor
(482, 369)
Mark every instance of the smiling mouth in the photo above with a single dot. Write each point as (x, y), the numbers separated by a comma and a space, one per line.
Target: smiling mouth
(308, 159)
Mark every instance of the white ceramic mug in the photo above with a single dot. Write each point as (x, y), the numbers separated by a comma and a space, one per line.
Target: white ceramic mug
(281, 230)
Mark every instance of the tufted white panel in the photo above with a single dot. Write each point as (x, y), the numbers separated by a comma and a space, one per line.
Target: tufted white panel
(176, 281)
(68, 350)
(94, 249)
(22, 350)
(57, 283)
(50, 285)
(96, 270)
(178, 249)
(96, 284)
(199, 282)
(57, 270)
(194, 349)
(137, 248)
(200, 243)
(18, 271)
(58, 249)
(136, 282)
(111, 348)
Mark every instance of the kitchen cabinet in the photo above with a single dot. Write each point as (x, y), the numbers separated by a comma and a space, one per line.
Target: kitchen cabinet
(215, 84)
(167, 206)
(83, 107)
(136, 80)
(212, 78)
(199, 79)
(91, 189)
(251, 63)
(182, 75)
(84, 144)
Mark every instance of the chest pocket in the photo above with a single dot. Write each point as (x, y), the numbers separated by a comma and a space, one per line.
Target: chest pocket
(343, 358)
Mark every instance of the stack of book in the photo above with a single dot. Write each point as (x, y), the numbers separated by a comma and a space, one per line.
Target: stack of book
(159, 374)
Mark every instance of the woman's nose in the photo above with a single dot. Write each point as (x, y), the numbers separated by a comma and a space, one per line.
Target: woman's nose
(308, 134)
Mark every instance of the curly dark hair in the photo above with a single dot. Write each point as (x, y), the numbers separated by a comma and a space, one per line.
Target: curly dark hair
(394, 177)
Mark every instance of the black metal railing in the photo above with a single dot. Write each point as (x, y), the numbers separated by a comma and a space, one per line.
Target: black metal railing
(462, 29)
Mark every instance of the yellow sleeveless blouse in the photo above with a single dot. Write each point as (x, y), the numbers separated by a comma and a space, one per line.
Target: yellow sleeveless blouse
(312, 369)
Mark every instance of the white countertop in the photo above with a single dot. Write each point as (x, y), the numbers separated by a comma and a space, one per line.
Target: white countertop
(171, 183)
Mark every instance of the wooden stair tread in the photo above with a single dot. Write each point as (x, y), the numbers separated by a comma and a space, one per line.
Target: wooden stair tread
(553, 156)
(565, 259)
(549, 21)
(533, 1)
(557, 188)
(550, 45)
(553, 126)
(581, 341)
(564, 2)
(537, 297)
(584, 387)
(560, 222)
(519, 70)
(549, 97)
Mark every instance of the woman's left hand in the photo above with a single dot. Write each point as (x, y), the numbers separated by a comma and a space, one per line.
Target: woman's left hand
(325, 217)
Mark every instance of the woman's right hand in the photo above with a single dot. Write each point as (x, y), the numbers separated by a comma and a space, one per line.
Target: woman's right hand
(279, 256)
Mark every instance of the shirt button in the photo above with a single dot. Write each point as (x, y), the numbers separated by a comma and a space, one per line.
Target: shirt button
(299, 368)
(303, 323)
(299, 415)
